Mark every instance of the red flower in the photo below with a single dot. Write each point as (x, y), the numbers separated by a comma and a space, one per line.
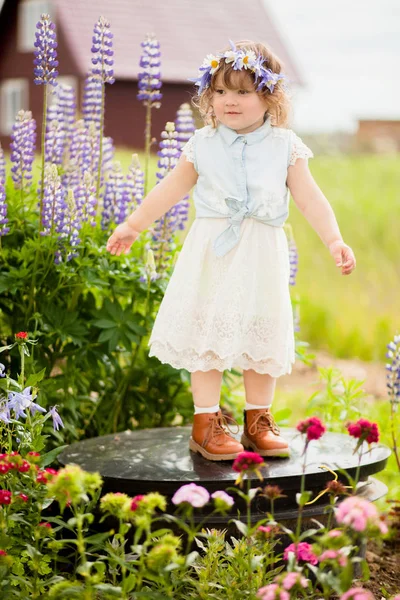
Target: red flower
(312, 427)
(135, 501)
(364, 430)
(5, 497)
(41, 477)
(24, 497)
(45, 524)
(4, 468)
(21, 335)
(24, 467)
(51, 471)
(302, 551)
(247, 461)
(3, 553)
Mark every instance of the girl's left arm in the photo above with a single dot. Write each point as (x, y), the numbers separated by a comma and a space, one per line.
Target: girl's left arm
(315, 207)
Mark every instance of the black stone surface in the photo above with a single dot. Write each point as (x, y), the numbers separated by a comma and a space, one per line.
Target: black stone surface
(159, 459)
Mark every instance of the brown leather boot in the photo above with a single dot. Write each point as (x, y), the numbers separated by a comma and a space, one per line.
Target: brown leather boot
(261, 434)
(210, 439)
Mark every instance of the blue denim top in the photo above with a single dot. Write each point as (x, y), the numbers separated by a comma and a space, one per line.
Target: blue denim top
(243, 176)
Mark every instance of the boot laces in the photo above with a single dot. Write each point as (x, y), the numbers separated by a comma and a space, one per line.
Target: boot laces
(264, 422)
(217, 428)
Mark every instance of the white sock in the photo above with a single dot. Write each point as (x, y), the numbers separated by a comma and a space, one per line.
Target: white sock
(249, 406)
(206, 409)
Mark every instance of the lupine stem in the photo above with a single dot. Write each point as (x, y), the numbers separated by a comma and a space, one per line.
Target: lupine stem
(147, 148)
(43, 149)
(101, 141)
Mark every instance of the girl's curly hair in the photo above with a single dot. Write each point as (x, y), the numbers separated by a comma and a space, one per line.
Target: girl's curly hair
(278, 104)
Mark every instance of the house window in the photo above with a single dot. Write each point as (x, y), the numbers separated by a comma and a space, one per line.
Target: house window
(13, 97)
(29, 14)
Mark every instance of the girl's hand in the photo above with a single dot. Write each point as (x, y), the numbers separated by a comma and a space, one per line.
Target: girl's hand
(122, 239)
(344, 256)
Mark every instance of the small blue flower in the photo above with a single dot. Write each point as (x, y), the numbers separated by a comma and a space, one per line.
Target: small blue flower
(2, 369)
(57, 421)
(4, 413)
(20, 401)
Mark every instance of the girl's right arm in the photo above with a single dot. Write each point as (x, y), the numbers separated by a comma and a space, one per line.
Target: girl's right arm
(176, 185)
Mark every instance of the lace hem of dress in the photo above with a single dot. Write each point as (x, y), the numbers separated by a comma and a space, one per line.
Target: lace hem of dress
(191, 360)
(299, 150)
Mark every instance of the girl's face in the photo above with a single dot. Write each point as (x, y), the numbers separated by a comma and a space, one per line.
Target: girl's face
(241, 108)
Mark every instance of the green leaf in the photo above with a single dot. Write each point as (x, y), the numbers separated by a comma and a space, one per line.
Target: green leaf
(104, 323)
(34, 378)
(241, 526)
(107, 334)
(49, 457)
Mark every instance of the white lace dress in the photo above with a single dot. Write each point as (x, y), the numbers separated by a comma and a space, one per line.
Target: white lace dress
(233, 311)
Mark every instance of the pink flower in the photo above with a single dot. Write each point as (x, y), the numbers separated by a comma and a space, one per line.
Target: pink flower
(195, 495)
(5, 497)
(4, 468)
(135, 501)
(222, 499)
(335, 555)
(247, 461)
(302, 551)
(45, 524)
(312, 427)
(334, 533)
(364, 430)
(3, 553)
(357, 594)
(359, 514)
(264, 529)
(23, 497)
(272, 592)
(292, 579)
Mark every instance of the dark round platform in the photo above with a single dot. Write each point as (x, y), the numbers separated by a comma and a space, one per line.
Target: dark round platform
(137, 462)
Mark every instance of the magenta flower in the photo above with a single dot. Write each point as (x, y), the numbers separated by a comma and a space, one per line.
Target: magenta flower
(357, 594)
(247, 461)
(195, 495)
(312, 427)
(359, 514)
(364, 430)
(302, 551)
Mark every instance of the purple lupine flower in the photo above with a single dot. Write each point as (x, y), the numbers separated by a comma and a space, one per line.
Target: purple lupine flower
(60, 120)
(294, 260)
(149, 79)
(184, 124)
(86, 201)
(2, 164)
(57, 421)
(68, 228)
(393, 371)
(91, 102)
(53, 200)
(114, 201)
(23, 149)
(165, 227)
(185, 127)
(79, 156)
(20, 401)
(134, 185)
(45, 54)
(3, 215)
(102, 51)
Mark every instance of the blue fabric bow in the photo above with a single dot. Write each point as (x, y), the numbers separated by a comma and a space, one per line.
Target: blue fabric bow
(231, 235)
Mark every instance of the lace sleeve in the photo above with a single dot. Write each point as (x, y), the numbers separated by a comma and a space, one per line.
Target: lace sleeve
(188, 150)
(299, 149)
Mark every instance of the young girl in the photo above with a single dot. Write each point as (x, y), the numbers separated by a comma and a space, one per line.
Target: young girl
(228, 301)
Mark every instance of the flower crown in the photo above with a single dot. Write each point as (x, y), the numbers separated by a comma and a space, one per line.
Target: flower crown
(241, 59)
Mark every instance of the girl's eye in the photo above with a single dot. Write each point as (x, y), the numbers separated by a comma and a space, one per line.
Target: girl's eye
(219, 91)
(243, 91)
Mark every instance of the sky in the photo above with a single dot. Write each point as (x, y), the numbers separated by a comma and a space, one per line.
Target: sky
(348, 53)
